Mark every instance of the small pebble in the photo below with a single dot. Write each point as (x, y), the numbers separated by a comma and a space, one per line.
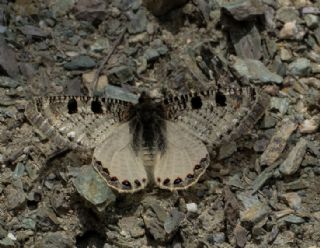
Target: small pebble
(192, 207)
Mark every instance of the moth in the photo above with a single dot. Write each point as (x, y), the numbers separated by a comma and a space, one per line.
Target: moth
(162, 142)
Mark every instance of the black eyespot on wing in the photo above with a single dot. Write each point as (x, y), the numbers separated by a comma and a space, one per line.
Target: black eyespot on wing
(96, 107)
(72, 106)
(127, 184)
(177, 180)
(221, 99)
(196, 102)
(166, 181)
(197, 167)
(114, 179)
(190, 176)
(158, 179)
(137, 183)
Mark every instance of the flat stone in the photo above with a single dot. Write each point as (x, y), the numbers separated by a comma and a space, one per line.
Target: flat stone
(294, 159)
(61, 7)
(56, 239)
(120, 75)
(101, 44)
(310, 126)
(244, 9)
(6, 82)
(255, 71)
(226, 150)
(246, 40)
(254, 214)
(293, 200)
(279, 103)
(278, 142)
(285, 54)
(93, 188)
(268, 121)
(138, 22)
(121, 94)
(172, 223)
(132, 225)
(8, 62)
(81, 62)
(15, 196)
(312, 21)
(288, 14)
(300, 67)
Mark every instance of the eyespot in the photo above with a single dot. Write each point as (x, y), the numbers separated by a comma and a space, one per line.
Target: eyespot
(137, 183)
(96, 107)
(126, 183)
(72, 106)
(190, 176)
(196, 102)
(166, 181)
(221, 99)
(177, 180)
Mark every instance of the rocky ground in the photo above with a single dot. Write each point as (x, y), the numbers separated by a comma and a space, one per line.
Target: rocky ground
(261, 191)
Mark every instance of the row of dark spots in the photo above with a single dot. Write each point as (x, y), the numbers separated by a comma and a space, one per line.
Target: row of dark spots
(96, 106)
(196, 100)
(178, 180)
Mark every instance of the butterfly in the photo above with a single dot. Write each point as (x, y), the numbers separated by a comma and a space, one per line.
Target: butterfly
(163, 142)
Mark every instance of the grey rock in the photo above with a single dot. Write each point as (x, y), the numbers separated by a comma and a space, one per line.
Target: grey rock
(300, 67)
(244, 9)
(61, 7)
(81, 62)
(293, 219)
(278, 67)
(312, 21)
(132, 225)
(288, 14)
(93, 188)
(6, 82)
(154, 226)
(261, 180)
(120, 75)
(7, 242)
(280, 104)
(268, 121)
(246, 41)
(294, 159)
(217, 238)
(285, 54)
(172, 223)
(56, 240)
(28, 223)
(293, 200)
(121, 94)
(254, 214)
(138, 22)
(19, 170)
(278, 143)
(15, 196)
(156, 50)
(8, 62)
(227, 149)
(260, 145)
(101, 44)
(255, 71)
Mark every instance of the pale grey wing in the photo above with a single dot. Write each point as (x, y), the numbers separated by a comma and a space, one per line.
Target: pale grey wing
(183, 162)
(81, 122)
(218, 115)
(116, 161)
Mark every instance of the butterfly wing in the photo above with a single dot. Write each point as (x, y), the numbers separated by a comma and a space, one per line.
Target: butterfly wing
(217, 115)
(81, 122)
(184, 160)
(116, 161)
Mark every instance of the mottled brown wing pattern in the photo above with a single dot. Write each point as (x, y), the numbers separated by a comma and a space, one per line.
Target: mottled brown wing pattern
(76, 122)
(217, 115)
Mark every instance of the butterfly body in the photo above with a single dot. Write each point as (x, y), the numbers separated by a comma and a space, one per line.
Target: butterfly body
(164, 142)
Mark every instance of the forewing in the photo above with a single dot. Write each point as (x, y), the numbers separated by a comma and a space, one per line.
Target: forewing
(184, 160)
(118, 164)
(76, 121)
(217, 115)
